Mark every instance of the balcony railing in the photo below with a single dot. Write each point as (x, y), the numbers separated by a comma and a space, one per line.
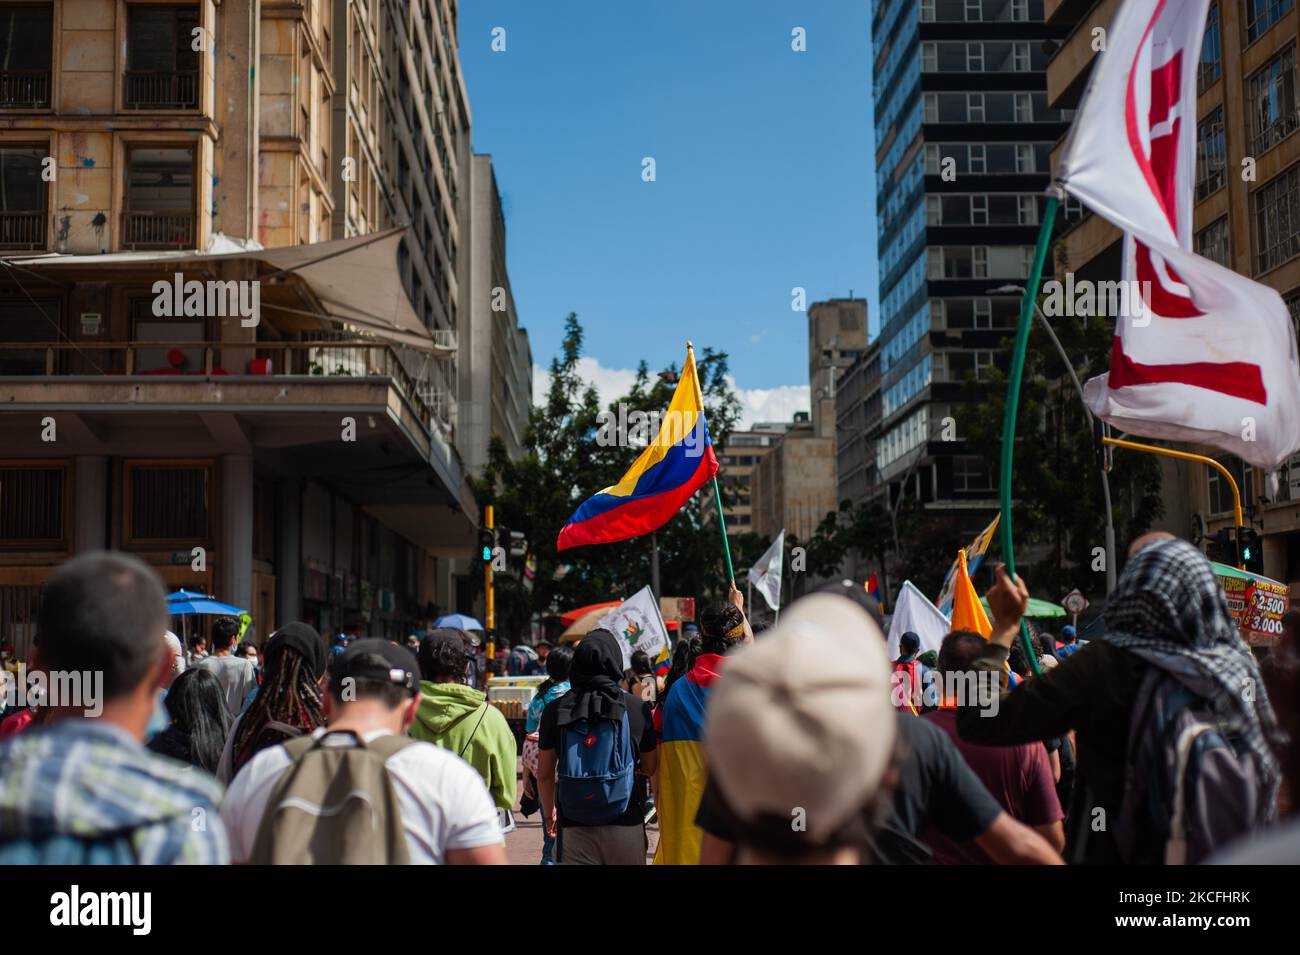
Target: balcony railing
(22, 230)
(176, 89)
(157, 230)
(24, 89)
(315, 359)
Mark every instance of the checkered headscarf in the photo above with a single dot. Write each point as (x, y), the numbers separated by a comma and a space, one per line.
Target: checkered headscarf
(1169, 609)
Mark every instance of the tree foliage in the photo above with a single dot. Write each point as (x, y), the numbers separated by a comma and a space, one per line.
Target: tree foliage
(564, 463)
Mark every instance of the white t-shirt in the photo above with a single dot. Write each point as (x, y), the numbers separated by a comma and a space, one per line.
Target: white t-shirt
(443, 801)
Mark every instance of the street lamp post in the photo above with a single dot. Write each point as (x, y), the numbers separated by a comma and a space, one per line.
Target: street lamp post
(1105, 478)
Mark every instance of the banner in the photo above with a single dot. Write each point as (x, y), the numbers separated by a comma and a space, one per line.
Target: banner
(913, 611)
(1200, 353)
(1256, 603)
(638, 625)
(766, 574)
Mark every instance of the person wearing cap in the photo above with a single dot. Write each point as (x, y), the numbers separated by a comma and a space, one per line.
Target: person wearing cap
(914, 676)
(935, 789)
(1068, 643)
(446, 811)
(800, 735)
(288, 702)
(680, 723)
(459, 718)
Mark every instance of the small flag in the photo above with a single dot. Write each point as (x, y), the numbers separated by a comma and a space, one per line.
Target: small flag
(766, 574)
(974, 552)
(638, 625)
(967, 611)
(873, 588)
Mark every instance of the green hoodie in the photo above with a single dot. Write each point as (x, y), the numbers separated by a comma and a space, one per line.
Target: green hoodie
(458, 718)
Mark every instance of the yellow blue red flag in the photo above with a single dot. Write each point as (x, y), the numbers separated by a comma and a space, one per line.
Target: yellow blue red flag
(660, 480)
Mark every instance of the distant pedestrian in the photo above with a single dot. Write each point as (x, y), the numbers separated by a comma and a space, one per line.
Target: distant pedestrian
(236, 674)
(199, 721)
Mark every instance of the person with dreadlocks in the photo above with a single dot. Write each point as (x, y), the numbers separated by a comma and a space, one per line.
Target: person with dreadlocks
(1167, 620)
(288, 702)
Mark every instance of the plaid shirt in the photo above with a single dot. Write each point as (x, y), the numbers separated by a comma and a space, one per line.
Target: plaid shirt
(85, 790)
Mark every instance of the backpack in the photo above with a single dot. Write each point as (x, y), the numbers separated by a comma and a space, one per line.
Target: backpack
(1190, 782)
(596, 770)
(906, 690)
(334, 805)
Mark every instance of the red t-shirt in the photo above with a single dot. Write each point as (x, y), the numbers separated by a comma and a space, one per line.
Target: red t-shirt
(1018, 777)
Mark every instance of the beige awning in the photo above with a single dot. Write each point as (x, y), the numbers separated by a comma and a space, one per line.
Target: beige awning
(355, 279)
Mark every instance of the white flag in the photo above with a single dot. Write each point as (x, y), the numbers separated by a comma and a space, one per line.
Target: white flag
(913, 611)
(1201, 354)
(766, 574)
(638, 625)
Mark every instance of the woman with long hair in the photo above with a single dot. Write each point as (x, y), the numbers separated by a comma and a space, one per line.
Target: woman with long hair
(288, 702)
(199, 721)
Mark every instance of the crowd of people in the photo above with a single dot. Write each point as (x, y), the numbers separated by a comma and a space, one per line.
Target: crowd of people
(1156, 741)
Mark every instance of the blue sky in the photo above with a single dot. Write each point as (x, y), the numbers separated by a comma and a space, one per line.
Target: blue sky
(764, 166)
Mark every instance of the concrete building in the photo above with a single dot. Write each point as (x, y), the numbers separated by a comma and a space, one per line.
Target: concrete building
(837, 335)
(793, 484)
(1246, 109)
(736, 464)
(964, 132)
(307, 156)
(857, 428)
(495, 360)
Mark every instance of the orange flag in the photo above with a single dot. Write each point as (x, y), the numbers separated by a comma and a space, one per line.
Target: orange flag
(967, 611)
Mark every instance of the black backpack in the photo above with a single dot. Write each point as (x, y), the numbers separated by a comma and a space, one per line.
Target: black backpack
(1191, 784)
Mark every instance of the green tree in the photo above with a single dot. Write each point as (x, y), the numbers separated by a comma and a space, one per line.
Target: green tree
(566, 460)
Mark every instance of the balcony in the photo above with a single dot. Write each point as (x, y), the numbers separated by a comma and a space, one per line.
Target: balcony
(157, 230)
(149, 89)
(24, 89)
(22, 230)
(323, 362)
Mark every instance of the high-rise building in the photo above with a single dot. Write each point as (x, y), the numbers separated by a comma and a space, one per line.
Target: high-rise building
(495, 360)
(1247, 217)
(227, 332)
(857, 428)
(964, 132)
(792, 486)
(837, 335)
(736, 464)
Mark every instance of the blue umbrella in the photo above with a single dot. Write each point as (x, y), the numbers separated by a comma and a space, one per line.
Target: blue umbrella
(186, 602)
(458, 621)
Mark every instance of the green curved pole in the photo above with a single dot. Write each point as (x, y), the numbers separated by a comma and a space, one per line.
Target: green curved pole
(1013, 407)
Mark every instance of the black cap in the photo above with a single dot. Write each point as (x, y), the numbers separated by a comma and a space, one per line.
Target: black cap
(399, 666)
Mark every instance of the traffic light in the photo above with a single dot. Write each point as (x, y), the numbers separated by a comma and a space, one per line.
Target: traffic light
(1222, 546)
(1252, 554)
(487, 543)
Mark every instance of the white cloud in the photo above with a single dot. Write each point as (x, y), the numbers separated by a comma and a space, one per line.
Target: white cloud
(756, 404)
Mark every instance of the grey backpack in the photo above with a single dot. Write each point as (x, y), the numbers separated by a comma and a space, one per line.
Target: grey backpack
(1190, 782)
(334, 805)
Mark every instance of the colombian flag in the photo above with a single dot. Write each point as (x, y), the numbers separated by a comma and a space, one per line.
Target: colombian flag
(659, 482)
(682, 769)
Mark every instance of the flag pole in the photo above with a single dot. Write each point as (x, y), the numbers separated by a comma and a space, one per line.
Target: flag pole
(722, 526)
(1013, 402)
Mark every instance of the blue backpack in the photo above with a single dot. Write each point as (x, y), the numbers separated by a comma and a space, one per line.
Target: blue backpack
(596, 770)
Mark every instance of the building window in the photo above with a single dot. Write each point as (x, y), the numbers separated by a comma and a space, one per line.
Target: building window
(26, 52)
(33, 506)
(971, 474)
(1212, 242)
(1293, 306)
(1221, 494)
(1271, 101)
(1211, 162)
(1262, 14)
(1211, 64)
(23, 197)
(162, 66)
(160, 201)
(169, 502)
(1277, 220)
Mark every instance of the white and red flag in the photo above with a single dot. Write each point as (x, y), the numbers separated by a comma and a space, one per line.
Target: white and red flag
(1210, 356)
